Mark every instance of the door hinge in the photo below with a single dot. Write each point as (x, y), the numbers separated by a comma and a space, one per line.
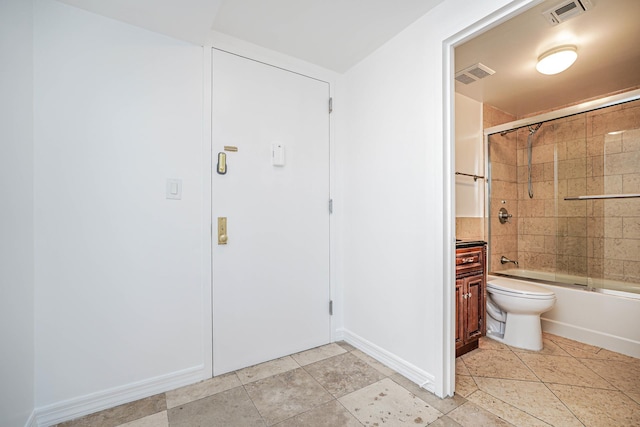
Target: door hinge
(330, 308)
(330, 206)
(330, 105)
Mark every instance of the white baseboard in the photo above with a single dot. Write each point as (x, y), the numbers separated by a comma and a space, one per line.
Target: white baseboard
(412, 372)
(592, 337)
(94, 402)
(31, 422)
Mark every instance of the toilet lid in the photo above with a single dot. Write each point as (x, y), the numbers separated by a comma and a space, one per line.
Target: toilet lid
(519, 288)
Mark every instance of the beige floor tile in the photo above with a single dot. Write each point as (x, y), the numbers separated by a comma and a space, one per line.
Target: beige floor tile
(267, 369)
(383, 369)
(202, 389)
(461, 368)
(611, 355)
(624, 376)
(465, 385)
(534, 398)
(486, 343)
(633, 395)
(569, 345)
(286, 395)
(443, 405)
(343, 374)
(231, 408)
(471, 415)
(563, 370)
(156, 420)
(599, 408)
(504, 364)
(388, 403)
(345, 345)
(331, 414)
(584, 385)
(121, 414)
(605, 354)
(444, 421)
(505, 411)
(319, 353)
(549, 348)
(584, 354)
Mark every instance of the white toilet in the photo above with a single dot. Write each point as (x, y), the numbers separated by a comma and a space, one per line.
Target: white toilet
(513, 312)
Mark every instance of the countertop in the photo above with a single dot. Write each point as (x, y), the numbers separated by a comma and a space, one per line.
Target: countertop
(469, 243)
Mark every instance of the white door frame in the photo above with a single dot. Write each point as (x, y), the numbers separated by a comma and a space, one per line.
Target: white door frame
(207, 212)
(514, 8)
(291, 64)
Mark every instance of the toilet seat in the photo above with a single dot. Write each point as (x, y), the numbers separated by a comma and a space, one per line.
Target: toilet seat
(518, 289)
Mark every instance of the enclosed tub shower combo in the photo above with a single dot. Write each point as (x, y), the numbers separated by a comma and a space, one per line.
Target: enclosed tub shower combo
(563, 207)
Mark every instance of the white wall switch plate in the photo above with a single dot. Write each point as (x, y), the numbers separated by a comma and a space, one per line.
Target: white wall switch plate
(174, 189)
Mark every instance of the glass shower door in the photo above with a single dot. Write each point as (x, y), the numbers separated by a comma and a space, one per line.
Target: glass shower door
(599, 209)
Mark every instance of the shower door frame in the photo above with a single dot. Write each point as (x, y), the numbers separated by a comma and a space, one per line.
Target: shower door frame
(584, 107)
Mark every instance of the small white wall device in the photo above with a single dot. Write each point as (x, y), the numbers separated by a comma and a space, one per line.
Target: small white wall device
(174, 189)
(277, 154)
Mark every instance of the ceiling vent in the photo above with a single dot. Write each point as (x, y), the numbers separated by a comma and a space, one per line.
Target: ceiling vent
(473, 73)
(566, 10)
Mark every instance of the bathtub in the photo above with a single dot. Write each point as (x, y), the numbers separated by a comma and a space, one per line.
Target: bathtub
(605, 319)
(605, 286)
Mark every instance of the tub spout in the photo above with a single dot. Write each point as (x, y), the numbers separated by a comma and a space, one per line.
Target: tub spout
(505, 260)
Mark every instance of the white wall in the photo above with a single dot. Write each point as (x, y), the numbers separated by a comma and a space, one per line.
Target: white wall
(16, 213)
(119, 269)
(119, 284)
(395, 261)
(469, 157)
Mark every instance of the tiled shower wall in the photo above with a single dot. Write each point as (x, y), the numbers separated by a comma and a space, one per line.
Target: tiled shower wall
(504, 188)
(600, 238)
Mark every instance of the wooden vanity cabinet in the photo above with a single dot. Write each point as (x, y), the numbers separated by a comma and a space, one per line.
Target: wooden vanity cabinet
(471, 281)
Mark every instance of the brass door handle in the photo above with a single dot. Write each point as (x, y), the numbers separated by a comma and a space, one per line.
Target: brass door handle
(222, 230)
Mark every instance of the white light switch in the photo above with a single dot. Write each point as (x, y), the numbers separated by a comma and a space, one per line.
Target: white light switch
(277, 154)
(174, 189)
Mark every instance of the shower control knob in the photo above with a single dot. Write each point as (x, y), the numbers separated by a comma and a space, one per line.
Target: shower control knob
(504, 216)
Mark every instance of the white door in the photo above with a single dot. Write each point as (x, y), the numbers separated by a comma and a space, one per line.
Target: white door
(271, 278)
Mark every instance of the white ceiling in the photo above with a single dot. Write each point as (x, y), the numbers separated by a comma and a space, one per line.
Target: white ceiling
(608, 41)
(337, 34)
(334, 34)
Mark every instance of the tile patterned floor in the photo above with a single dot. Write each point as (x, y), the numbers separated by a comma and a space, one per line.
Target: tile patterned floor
(566, 384)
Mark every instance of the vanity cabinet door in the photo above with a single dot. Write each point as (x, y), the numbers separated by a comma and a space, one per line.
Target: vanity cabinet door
(460, 314)
(474, 306)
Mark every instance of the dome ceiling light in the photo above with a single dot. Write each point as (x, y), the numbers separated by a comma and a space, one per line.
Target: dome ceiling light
(557, 60)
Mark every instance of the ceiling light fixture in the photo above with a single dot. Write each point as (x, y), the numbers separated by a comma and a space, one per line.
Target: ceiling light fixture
(557, 60)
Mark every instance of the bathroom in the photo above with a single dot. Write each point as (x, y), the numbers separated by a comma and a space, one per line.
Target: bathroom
(558, 156)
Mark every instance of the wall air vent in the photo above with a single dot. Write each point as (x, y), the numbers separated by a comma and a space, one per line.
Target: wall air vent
(473, 73)
(566, 10)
